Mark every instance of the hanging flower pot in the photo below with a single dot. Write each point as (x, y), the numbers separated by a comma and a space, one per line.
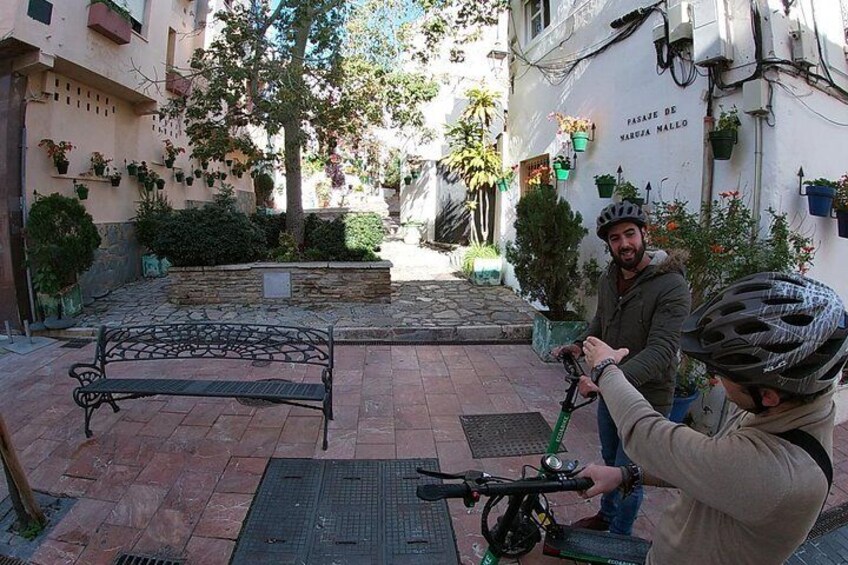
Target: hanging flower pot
(842, 223)
(580, 140)
(62, 167)
(189, 181)
(169, 163)
(605, 184)
(115, 179)
(820, 199)
(229, 162)
(407, 180)
(160, 184)
(132, 169)
(99, 170)
(415, 174)
(562, 167)
(81, 190)
(180, 176)
(197, 173)
(204, 165)
(722, 142)
(503, 185)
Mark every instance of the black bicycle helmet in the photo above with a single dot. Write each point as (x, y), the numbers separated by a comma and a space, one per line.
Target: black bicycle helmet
(782, 331)
(618, 212)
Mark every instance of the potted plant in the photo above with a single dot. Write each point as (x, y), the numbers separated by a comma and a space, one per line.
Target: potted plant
(81, 190)
(189, 180)
(153, 209)
(840, 205)
(545, 255)
(562, 167)
(576, 127)
(229, 162)
(99, 162)
(142, 172)
(210, 178)
(692, 381)
(115, 177)
(482, 265)
(605, 184)
(59, 153)
(625, 191)
(171, 152)
(239, 169)
(132, 168)
(412, 232)
(179, 176)
(61, 241)
(820, 194)
(724, 136)
(407, 180)
(198, 173)
(506, 177)
(111, 20)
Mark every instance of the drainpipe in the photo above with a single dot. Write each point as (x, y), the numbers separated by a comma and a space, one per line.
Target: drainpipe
(24, 210)
(707, 168)
(758, 171)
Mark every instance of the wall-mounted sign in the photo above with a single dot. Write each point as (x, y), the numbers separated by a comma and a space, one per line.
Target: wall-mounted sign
(645, 124)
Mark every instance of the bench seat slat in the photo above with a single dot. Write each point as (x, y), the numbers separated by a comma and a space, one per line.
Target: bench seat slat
(268, 390)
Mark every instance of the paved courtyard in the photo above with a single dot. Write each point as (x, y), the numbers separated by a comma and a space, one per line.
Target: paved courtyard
(177, 476)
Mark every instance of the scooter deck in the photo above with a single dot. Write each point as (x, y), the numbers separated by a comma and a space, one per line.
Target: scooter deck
(595, 547)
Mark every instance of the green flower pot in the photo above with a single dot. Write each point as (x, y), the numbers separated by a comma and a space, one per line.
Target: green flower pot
(189, 181)
(580, 140)
(99, 170)
(169, 163)
(562, 174)
(132, 169)
(722, 142)
(548, 334)
(605, 189)
(503, 185)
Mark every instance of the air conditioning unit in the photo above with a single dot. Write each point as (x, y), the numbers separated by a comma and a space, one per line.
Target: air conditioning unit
(711, 41)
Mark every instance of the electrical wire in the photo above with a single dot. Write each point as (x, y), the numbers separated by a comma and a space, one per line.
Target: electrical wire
(807, 106)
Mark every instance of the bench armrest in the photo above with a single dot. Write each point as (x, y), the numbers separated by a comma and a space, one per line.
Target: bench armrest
(85, 373)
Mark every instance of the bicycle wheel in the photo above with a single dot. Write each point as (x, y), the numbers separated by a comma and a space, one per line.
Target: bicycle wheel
(522, 534)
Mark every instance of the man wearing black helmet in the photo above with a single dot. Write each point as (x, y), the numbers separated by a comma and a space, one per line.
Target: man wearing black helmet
(750, 494)
(642, 302)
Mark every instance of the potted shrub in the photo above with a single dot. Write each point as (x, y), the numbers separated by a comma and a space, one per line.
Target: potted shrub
(61, 240)
(210, 178)
(58, 152)
(179, 176)
(562, 167)
(171, 152)
(189, 180)
(132, 168)
(99, 162)
(605, 184)
(115, 177)
(506, 177)
(198, 173)
(81, 190)
(724, 136)
(840, 205)
(152, 210)
(142, 172)
(407, 180)
(545, 256)
(239, 169)
(576, 127)
(692, 381)
(482, 265)
(625, 191)
(820, 194)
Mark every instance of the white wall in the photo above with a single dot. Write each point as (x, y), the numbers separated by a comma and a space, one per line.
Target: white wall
(622, 84)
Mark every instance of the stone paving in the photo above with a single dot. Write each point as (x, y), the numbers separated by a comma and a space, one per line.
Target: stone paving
(176, 476)
(429, 303)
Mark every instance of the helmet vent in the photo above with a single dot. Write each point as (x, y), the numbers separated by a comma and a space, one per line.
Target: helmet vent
(745, 289)
(732, 308)
(751, 327)
(709, 338)
(797, 319)
(782, 300)
(737, 359)
(781, 347)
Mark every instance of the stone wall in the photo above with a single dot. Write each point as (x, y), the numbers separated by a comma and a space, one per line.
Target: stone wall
(116, 262)
(259, 283)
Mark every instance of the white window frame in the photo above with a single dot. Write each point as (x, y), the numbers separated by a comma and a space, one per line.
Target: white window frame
(532, 12)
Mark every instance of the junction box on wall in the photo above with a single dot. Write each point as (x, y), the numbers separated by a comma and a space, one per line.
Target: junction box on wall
(804, 47)
(680, 22)
(711, 41)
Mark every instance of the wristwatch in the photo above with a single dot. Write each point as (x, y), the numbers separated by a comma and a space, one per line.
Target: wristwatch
(599, 368)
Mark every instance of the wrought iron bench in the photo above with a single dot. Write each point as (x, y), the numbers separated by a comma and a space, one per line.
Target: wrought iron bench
(246, 342)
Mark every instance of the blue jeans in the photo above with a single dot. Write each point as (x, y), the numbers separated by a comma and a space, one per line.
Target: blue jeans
(621, 513)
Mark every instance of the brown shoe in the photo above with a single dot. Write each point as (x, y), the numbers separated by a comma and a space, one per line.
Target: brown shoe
(596, 522)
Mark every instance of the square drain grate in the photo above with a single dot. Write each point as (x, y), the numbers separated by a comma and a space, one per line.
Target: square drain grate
(345, 511)
(76, 343)
(11, 561)
(138, 559)
(506, 435)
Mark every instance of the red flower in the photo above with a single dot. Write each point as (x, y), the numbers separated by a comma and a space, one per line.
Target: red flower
(729, 194)
(717, 248)
(671, 226)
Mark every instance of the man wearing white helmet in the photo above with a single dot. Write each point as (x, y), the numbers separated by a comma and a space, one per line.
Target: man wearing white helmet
(750, 494)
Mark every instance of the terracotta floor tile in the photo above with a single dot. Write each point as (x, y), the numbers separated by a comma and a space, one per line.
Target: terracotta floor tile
(163, 469)
(438, 385)
(72, 486)
(376, 430)
(55, 552)
(107, 542)
(209, 551)
(375, 451)
(228, 428)
(242, 475)
(415, 443)
(415, 417)
(257, 442)
(163, 425)
(190, 494)
(295, 450)
(81, 521)
(301, 429)
(223, 516)
(137, 506)
(443, 405)
(203, 414)
(270, 417)
(113, 483)
(342, 445)
(377, 407)
(167, 534)
(31, 456)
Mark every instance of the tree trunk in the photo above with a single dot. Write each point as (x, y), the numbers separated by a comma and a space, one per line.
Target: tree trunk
(294, 180)
(23, 501)
(484, 215)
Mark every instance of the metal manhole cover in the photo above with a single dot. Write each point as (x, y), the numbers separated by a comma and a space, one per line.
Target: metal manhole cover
(259, 402)
(506, 435)
(830, 519)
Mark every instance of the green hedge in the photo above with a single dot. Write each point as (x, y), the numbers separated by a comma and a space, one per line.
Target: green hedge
(352, 237)
(271, 225)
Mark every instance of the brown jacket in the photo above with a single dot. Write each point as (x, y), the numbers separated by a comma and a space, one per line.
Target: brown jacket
(746, 495)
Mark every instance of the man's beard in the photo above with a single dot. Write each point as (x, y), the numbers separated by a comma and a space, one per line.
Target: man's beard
(633, 260)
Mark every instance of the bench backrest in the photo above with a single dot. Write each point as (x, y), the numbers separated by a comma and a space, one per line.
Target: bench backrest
(250, 342)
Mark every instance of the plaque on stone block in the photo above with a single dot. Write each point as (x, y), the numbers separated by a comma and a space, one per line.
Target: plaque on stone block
(276, 285)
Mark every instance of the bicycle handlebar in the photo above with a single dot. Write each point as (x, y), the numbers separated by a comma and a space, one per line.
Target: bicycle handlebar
(524, 486)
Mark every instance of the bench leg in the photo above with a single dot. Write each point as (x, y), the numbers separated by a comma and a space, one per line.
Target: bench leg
(326, 426)
(89, 410)
(111, 402)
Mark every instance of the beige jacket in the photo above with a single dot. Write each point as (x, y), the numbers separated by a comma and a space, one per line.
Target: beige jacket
(746, 495)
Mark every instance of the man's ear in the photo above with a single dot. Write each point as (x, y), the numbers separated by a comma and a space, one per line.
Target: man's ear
(769, 397)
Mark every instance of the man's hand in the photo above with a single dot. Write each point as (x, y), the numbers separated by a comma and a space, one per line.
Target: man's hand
(596, 351)
(606, 479)
(572, 349)
(586, 387)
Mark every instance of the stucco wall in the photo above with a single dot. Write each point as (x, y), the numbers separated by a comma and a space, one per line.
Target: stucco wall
(311, 283)
(622, 93)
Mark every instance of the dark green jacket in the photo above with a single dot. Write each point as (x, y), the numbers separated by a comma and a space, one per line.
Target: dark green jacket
(647, 321)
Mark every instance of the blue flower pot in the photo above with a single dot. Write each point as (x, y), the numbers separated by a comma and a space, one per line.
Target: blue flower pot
(842, 223)
(820, 200)
(680, 407)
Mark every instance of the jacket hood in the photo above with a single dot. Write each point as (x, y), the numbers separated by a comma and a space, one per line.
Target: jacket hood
(662, 263)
